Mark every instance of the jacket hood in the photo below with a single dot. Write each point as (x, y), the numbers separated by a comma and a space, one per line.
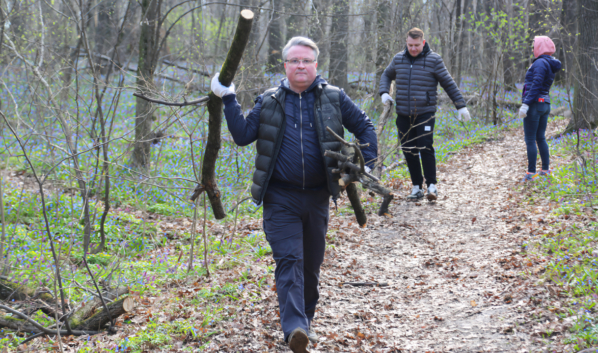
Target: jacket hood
(555, 64)
(284, 84)
(543, 45)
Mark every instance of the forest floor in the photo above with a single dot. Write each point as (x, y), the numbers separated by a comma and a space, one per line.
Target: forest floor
(454, 276)
(458, 276)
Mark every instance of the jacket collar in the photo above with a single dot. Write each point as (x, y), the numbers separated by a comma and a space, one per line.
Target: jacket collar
(318, 82)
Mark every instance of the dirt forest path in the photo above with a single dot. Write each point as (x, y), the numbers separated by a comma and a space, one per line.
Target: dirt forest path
(450, 288)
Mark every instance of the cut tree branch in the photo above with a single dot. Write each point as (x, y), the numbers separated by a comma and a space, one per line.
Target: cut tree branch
(227, 73)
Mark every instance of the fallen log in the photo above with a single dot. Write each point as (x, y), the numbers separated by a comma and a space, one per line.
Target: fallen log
(102, 318)
(23, 326)
(85, 320)
(10, 290)
(27, 324)
(227, 73)
(39, 299)
(89, 326)
(86, 309)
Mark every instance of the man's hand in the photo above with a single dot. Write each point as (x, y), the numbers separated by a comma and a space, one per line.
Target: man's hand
(221, 90)
(464, 115)
(523, 111)
(367, 169)
(387, 98)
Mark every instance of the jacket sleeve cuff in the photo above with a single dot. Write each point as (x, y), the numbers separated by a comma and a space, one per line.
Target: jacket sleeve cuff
(381, 93)
(460, 105)
(229, 99)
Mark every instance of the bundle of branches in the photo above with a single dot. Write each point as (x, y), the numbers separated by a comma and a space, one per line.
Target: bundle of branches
(20, 302)
(351, 166)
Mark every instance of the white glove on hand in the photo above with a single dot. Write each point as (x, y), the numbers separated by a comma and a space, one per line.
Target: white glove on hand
(367, 169)
(464, 115)
(221, 90)
(387, 98)
(523, 111)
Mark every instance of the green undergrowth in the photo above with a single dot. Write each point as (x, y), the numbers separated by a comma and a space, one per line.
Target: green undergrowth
(571, 239)
(143, 253)
(140, 253)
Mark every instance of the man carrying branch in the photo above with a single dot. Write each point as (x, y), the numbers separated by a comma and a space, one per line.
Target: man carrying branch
(293, 178)
(417, 71)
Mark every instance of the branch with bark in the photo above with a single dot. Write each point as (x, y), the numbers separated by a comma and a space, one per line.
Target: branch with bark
(351, 167)
(227, 73)
(184, 103)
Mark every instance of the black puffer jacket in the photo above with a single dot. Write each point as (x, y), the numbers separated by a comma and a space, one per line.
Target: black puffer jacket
(417, 79)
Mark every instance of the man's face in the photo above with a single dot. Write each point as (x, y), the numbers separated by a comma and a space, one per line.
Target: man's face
(415, 46)
(298, 72)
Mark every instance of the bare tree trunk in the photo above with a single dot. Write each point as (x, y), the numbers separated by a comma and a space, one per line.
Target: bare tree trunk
(217, 41)
(368, 36)
(146, 66)
(383, 55)
(294, 27)
(508, 66)
(460, 6)
(585, 104)
(275, 39)
(104, 31)
(568, 37)
(339, 55)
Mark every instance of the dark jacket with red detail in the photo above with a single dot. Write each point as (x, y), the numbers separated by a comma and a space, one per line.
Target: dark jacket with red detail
(539, 78)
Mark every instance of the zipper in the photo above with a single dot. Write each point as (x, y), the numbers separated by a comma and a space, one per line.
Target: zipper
(301, 137)
(409, 91)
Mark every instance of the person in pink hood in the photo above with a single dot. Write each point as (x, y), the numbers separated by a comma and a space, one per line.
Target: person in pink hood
(536, 104)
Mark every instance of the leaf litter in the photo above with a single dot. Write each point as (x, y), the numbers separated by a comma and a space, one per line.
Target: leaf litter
(456, 278)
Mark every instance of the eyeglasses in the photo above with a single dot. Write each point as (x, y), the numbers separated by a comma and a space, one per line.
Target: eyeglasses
(295, 62)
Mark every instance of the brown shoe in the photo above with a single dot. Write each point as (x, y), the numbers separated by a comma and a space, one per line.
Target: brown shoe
(298, 341)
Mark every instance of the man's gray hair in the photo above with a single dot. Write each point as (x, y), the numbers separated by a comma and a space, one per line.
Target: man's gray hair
(304, 41)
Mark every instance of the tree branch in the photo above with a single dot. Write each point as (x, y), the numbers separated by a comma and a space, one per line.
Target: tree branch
(200, 101)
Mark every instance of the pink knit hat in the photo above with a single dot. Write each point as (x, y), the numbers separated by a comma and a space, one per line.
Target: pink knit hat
(543, 45)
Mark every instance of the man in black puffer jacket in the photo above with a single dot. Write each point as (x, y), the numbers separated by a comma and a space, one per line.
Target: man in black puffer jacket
(417, 71)
(293, 178)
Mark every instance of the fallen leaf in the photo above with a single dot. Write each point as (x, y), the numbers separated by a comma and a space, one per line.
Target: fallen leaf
(473, 303)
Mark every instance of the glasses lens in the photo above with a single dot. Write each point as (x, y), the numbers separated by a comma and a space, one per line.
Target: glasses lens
(296, 62)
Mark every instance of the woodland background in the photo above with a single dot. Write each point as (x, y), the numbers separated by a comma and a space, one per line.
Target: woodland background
(95, 182)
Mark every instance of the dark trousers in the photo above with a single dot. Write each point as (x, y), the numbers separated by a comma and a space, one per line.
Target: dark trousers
(416, 135)
(534, 127)
(295, 223)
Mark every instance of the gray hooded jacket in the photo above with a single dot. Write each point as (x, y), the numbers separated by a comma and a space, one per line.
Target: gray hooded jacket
(417, 80)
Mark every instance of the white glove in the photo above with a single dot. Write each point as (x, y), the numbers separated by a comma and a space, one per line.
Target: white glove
(523, 111)
(219, 89)
(367, 169)
(387, 98)
(464, 115)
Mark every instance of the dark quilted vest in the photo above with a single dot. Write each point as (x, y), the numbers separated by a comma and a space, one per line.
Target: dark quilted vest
(272, 125)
